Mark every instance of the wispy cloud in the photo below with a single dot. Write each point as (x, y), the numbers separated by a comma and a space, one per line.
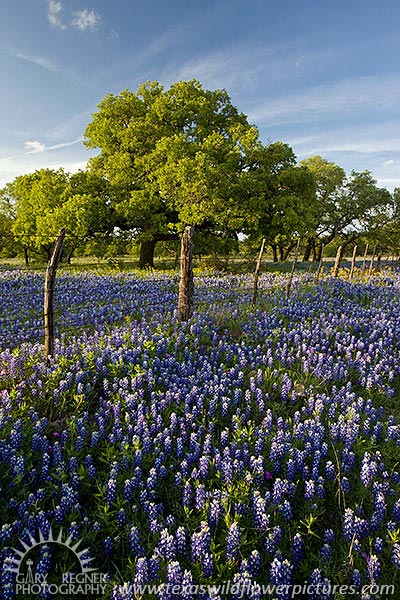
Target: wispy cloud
(324, 102)
(86, 19)
(34, 147)
(360, 139)
(55, 8)
(83, 19)
(41, 61)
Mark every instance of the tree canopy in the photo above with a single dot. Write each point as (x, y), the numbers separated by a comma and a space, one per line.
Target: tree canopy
(175, 156)
(185, 155)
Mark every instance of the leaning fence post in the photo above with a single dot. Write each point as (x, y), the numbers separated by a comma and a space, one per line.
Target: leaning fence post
(353, 263)
(186, 285)
(365, 257)
(337, 261)
(48, 313)
(256, 273)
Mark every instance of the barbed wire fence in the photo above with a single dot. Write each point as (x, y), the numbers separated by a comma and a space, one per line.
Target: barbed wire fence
(66, 319)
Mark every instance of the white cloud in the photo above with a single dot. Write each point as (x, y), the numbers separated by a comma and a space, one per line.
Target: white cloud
(372, 140)
(326, 101)
(83, 20)
(55, 8)
(33, 147)
(86, 19)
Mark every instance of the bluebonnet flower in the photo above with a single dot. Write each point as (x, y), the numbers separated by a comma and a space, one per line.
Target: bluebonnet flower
(134, 540)
(369, 469)
(320, 586)
(141, 575)
(281, 575)
(111, 490)
(200, 542)
(273, 539)
(260, 517)
(396, 555)
(233, 542)
(108, 547)
(287, 510)
(373, 567)
(167, 546)
(297, 549)
(357, 578)
(326, 552)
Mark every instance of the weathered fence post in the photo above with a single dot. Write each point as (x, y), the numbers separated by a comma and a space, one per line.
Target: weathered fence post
(186, 285)
(289, 285)
(256, 273)
(353, 263)
(48, 314)
(337, 261)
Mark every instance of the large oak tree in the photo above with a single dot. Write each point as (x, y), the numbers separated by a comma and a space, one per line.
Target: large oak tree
(175, 157)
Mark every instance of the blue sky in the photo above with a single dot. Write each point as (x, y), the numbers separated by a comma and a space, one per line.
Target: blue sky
(320, 75)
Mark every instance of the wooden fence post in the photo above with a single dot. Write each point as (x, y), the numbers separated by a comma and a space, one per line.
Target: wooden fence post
(48, 313)
(353, 263)
(186, 285)
(289, 285)
(256, 273)
(337, 261)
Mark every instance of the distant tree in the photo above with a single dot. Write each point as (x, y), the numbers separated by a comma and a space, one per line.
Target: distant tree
(34, 199)
(329, 179)
(85, 210)
(175, 156)
(280, 195)
(346, 206)
(45, 201)
(8, 245)
(384, 228)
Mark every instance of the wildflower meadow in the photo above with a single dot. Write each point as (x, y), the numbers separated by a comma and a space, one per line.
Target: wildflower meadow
(256, 445)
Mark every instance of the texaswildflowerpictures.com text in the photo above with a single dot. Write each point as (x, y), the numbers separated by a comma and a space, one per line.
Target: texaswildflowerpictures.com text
(269, 590)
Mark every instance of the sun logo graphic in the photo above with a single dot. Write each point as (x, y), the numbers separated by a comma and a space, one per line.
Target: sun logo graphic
(88, 582)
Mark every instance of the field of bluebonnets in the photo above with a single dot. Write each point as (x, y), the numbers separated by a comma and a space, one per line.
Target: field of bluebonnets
(249, 444)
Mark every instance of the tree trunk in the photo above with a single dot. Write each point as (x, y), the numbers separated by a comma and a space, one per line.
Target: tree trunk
(378, 260)
(274, 253)
(288, 251)
(146, 258)
(307, 251)
(314, 252)
(69, 256)
(281, 254)
(319, 250)
(319, 270)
